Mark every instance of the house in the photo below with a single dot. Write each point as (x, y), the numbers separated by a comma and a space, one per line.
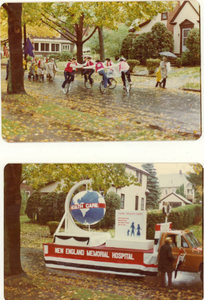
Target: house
(133, 197)
(180, 21)
(169, 183)
(175, 200)
(26, 189)
(51, 45)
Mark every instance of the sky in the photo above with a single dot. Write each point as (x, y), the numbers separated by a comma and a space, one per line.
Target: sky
(169, 168)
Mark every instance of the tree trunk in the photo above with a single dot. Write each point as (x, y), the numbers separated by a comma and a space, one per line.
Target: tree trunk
(16, 74)
(12, 204)
(101, 43)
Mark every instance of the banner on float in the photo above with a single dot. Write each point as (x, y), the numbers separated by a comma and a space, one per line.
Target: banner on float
(130, 225)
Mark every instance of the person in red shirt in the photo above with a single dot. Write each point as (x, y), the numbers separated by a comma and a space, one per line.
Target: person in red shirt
(89, 68)
(69, 72)
(100, 69)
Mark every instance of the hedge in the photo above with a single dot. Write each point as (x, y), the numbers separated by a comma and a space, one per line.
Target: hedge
(152, 65)
(133, 63)
(181, 218)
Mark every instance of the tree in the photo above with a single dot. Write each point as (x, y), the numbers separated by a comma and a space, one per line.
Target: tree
(180, 191)
(15, 79)
(152, 186)
(103, 175)
(196, 178)
(113, 202)
(112, 40)
(12, 204)
(75, 19)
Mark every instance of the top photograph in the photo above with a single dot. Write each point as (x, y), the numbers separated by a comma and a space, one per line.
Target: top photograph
(100, 71)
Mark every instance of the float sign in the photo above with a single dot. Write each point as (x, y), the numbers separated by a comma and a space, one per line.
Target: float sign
(130, 225)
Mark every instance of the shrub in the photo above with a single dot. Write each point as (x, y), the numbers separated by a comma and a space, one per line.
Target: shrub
(127, 45)
(181, 218)
(149, 44)
(32, 206)
(52, 226)
(191, 56)
(54, 55)
(152, 65)
(178, 62)
(65, 56)
(24, 199)
(44, 208)
(133, 63)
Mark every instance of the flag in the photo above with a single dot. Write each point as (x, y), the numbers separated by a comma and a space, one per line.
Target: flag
(29, 48)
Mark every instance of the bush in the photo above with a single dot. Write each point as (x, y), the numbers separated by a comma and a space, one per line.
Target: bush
(32, 206)
(133, 63)
(178, 62)
(24, 199)
(152, 65)
(54, 55)
(127, 45)
(191, 56)
(52, 226)
(148, 44)
(44, 208)
(65, 56)
(181, 218)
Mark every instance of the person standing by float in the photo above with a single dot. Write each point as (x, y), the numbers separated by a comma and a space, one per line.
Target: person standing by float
(166, 260)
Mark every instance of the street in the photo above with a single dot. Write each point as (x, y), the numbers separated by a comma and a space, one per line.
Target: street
(162, 109)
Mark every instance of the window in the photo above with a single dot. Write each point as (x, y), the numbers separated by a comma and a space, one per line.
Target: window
(136, 202)
(137, 175)
(36, 46)
(65, 47)
(44, 47)
(142, 204)
(55, 47)
(164, 16)
(140, 178)
(122, 201)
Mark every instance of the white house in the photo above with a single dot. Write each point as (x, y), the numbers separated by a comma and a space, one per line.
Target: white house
(133, 197)
(175, 200)
(180, 21)
(169, 183)
(186, 18)
(48, 45)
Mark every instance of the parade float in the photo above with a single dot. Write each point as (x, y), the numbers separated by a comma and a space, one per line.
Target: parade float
(128, 253)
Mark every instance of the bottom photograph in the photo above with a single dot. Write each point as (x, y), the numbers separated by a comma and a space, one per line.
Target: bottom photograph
(103, 231)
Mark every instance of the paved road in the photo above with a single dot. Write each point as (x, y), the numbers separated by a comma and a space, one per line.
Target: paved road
(162, 109)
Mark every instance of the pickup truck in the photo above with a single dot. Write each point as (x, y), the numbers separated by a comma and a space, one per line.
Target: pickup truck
(185, 245)
(76, 253)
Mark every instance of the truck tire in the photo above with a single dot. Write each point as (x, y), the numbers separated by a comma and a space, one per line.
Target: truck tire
(201, 275)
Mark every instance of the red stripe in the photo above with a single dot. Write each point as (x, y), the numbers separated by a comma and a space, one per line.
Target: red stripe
(157, 227)
(110, 255)
(87, 206)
